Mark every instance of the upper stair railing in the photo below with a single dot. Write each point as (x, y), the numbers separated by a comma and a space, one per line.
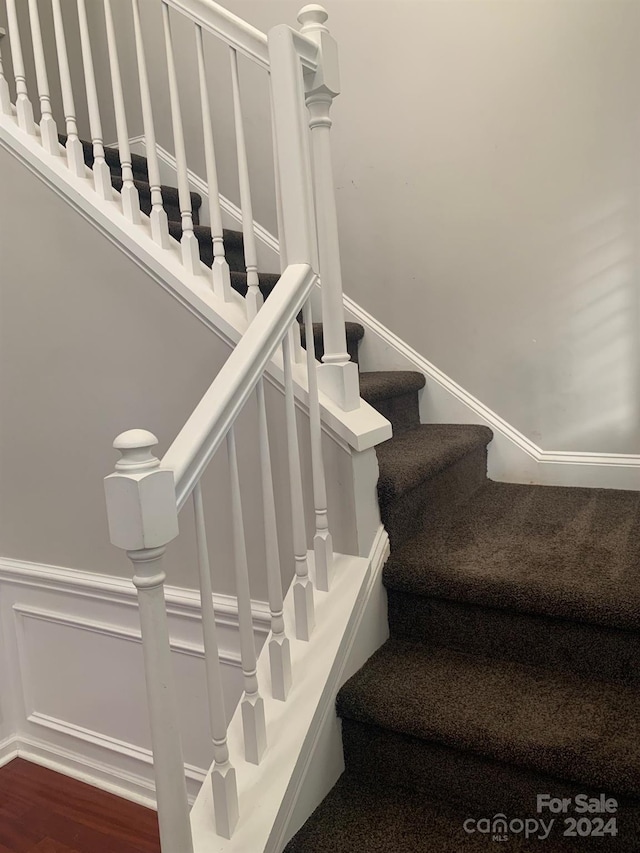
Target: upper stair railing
(306, 59)
(145, 494)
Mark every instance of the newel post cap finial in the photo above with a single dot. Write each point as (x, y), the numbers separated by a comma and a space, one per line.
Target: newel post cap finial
(135, 446)
(312, 18)
(141, 496)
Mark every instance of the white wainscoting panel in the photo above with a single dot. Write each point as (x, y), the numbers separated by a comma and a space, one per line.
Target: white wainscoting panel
(73, 668)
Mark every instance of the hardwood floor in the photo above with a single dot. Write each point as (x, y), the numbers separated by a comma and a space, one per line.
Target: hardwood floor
(44, 812)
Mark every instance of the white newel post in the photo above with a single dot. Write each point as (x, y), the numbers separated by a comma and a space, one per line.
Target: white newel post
(143, 518)
(338, 375)
(24, 108)
(5, 98)
(48, 129)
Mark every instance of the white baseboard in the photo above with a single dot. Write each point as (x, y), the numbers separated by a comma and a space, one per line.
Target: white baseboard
(73, 687)
(8, 750)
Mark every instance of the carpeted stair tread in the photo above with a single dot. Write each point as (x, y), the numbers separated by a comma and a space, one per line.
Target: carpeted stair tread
(556, 551)
(382, 819)
(580, 729)
(418, 454)
(379, 385)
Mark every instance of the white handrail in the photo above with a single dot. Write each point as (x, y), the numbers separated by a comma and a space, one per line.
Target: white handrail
(239, 34)
(205, 430)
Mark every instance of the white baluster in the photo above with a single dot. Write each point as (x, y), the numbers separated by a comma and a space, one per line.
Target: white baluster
(143, 518)
(158, 215)
(75, 154)
(254, 297)
(253, 719)
(293, 332)
(223, 777)
(129, 191)
(338, 375)
(220, 268)
(5, 98)
(322, 541)
(101, 172)
(302, 586)
(279, 649)
(48, 129)
(24, 109)
(189, 241)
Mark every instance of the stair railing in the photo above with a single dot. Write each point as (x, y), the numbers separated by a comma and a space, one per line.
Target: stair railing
(145, 494)
(144, 497)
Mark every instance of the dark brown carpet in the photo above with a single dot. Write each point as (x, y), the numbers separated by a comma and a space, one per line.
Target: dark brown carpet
(572, 553)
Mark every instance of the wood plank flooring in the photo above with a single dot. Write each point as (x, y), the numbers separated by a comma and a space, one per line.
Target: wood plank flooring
(44, 812)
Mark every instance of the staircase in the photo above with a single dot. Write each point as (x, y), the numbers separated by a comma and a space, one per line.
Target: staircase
(513, 665)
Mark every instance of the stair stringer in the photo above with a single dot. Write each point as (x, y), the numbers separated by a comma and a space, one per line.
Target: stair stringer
(304, 757)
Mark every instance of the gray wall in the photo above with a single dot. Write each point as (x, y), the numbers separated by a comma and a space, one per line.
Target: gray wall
(91, 346)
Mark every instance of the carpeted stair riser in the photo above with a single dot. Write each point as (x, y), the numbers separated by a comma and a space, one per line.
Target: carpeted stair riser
(576, 647)
(403, 411)
(170, 200)
(382, 757)
(354, 334)
(434, 498)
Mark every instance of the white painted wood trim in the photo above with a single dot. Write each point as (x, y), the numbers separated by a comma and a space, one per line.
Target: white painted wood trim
(8, 750)
(239, 34)
(180, 602)
(297, 727)
(38, 601)
(512, 456)
(323, 763)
